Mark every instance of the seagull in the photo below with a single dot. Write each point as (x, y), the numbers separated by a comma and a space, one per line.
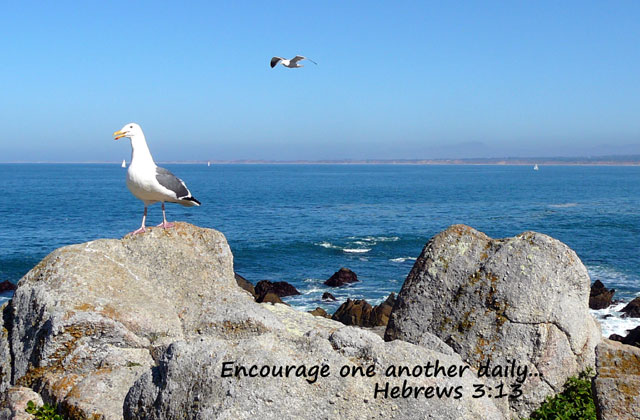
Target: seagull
(292, 64)
(149, 182)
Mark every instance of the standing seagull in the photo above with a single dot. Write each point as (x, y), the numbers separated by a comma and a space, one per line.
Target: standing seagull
(149, 182)
(292, 64)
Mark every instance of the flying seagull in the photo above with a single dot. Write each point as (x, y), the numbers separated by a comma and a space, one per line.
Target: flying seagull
(149, 182)
(292, 64)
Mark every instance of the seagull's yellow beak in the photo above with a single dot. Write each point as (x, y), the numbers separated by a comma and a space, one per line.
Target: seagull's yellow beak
(118, 135)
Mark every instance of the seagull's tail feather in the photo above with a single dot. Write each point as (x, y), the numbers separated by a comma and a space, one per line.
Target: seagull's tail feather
(189, 201)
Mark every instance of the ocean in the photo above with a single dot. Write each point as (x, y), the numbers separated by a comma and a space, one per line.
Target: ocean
(301, 223)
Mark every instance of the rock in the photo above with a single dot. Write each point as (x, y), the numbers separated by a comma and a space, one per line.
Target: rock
(361, 313)
(354, 312)
(7, 286)
(342, 277)
(320, 312)
(632, 309)
(600, 297)
(633, 337)
(522, 299)
(381, 313)
(245, 284)
(15, 403)
(329, 297)
(269, 297)
(188, 379)
(280, 288)
(89, 319)
(617, 384)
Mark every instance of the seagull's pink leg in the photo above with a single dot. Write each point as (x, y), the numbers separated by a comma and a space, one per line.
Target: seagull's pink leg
(142, 227)
(164, 223)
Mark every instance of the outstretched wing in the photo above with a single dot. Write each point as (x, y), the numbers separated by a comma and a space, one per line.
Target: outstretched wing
(300, 58)
(275, 61)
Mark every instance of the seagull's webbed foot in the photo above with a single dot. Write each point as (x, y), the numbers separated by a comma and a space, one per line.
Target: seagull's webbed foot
(165, 225)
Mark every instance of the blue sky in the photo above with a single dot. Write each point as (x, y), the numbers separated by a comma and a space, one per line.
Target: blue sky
(393, 80)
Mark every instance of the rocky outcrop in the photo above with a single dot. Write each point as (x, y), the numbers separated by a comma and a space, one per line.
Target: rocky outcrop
(632, 309)
(328, 297)
(280, 288)
(617, 385)
(633, 337)
(245, 284)
(269, 297)
(520, 300)
(361, 313)
(189, 378)
(7, 286)
(600, 297)
(320, 312)
(342, 277)
(89, 319)
(141, 326)
(353, 312)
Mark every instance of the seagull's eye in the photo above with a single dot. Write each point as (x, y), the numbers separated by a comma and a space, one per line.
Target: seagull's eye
(130, 126)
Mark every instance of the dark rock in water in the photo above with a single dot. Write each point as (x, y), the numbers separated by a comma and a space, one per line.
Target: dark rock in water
(600, 297)
(354, 312)
(381, 313)
(269, 297)
(616, 337)
(633, 338)
(342, 277)
(280, 288)
(632, 310)
(320, 312)
(7, 286)
(328, 296)
(361, 313)
(245, 284)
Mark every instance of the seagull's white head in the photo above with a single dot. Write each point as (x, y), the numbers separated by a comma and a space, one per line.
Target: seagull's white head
(129, 130)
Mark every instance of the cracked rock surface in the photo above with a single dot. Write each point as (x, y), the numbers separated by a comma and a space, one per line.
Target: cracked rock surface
(499, 301)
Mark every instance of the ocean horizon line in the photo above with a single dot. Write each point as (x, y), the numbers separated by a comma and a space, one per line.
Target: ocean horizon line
(612, 160)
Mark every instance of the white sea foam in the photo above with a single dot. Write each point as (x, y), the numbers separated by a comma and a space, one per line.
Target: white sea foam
(612, 322)
(402, 259)
(356, 250)
(327, 245)
(563, 205)
(3, 299)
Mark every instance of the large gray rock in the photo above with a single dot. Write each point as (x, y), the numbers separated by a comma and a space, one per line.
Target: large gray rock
(89, 319)
(617, 385)
(522, 299)
(188, 381)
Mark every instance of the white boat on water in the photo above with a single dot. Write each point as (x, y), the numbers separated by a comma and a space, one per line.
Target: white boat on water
(124, 164)
(535, 167)
(208, 163)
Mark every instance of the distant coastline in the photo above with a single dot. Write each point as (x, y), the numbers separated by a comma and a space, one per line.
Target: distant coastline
(613, 160)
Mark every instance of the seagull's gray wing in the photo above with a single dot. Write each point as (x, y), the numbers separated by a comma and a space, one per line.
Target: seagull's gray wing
(300, 58)
(172, 182)
(275, 61)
